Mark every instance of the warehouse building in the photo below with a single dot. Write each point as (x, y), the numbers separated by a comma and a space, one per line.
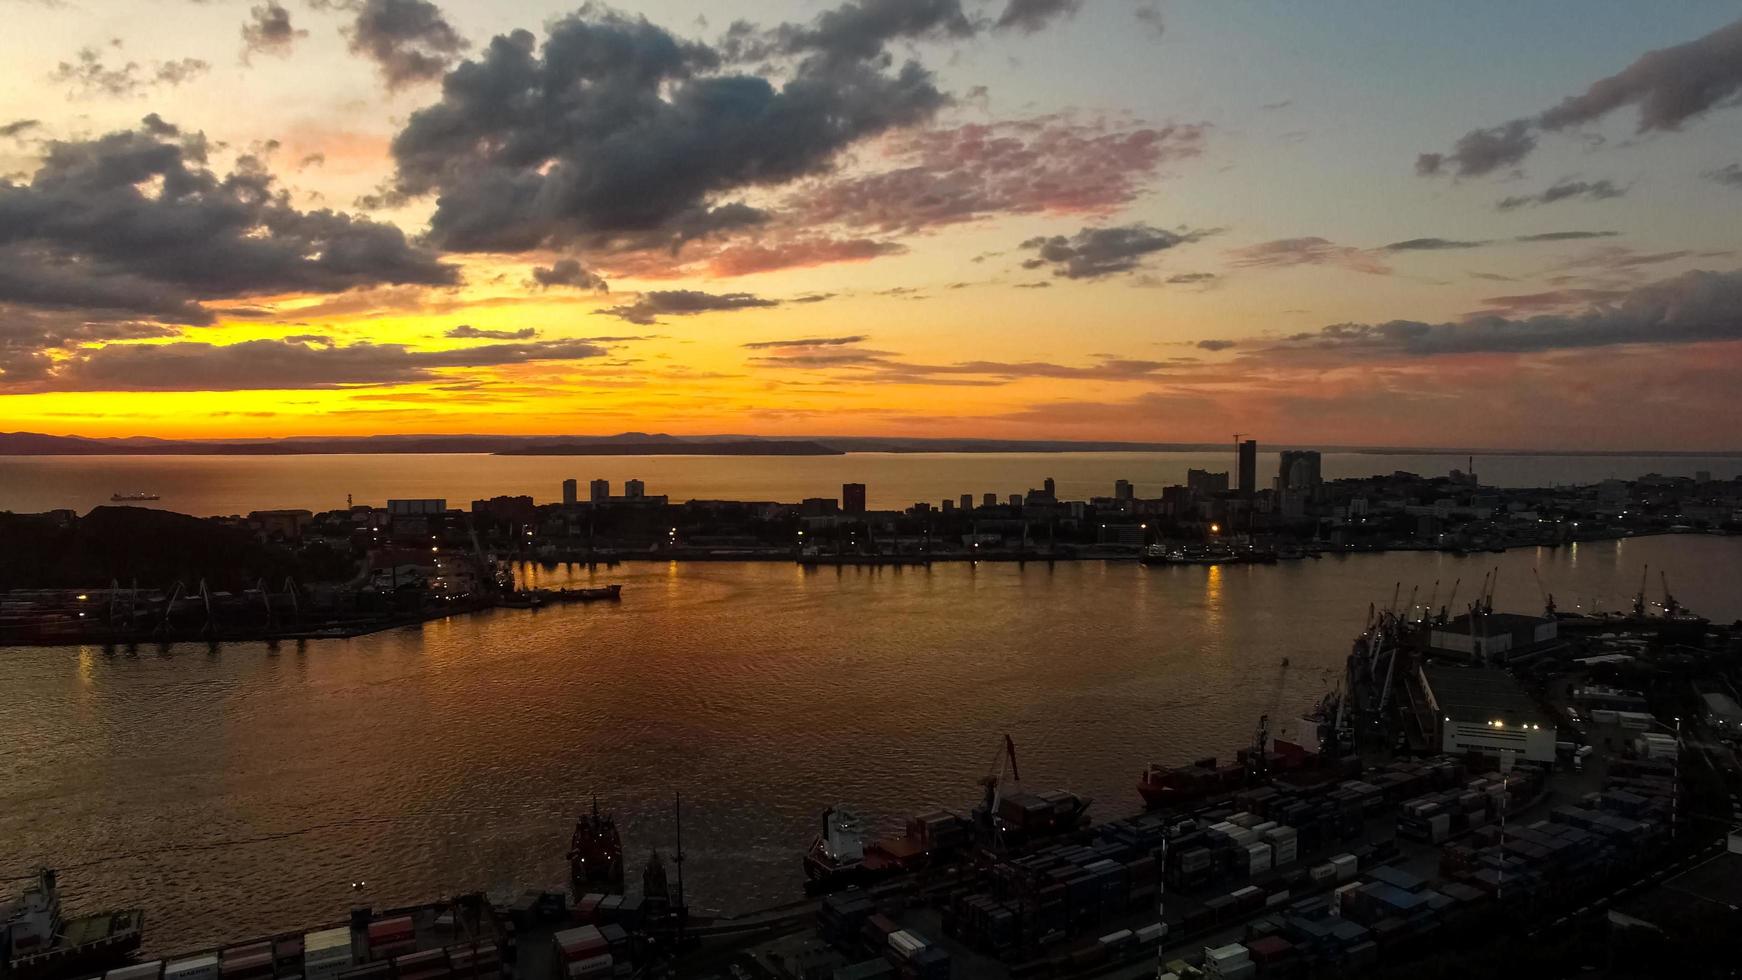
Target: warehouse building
(1483, 710)
(1492, 637)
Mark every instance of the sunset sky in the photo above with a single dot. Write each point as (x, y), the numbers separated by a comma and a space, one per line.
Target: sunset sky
(1507, 225)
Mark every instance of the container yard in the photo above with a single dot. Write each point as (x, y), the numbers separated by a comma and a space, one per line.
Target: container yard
(1348, 851)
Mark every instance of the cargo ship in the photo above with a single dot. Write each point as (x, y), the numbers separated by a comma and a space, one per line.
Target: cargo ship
(596, 854)
(1003, 822)
(36, 943)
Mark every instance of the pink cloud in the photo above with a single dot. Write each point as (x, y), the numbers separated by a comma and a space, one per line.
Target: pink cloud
(1051, 164)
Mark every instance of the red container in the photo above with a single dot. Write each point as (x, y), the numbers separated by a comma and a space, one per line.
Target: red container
(386, 931)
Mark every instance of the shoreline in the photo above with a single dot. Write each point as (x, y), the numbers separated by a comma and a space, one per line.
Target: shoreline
(347, 631)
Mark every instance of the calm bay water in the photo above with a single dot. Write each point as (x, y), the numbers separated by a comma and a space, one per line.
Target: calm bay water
(243, 791)
(217, 485)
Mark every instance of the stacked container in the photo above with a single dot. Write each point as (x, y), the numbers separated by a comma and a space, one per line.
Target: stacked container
(1230, 962)
(326, 954)
(196, 968)
(391, 937)
(136, 971)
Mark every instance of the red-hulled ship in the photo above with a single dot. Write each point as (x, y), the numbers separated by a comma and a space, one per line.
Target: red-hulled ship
(596, 854)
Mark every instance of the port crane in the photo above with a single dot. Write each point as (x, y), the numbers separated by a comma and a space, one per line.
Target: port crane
(1670, 606)
(1639, 597)
(1547, 596)
(1004, 762)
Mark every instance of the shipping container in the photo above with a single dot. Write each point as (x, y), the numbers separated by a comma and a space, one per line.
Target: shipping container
(136, 971)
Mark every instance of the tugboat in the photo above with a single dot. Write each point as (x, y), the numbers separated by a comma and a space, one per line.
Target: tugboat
(37, 944)
(596, 854)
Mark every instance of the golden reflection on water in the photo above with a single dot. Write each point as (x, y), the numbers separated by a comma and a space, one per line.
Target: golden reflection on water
(1213, 615)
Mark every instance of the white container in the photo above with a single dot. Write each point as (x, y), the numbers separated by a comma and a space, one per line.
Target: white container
(905, 944)
(1152, 934)
(1115, 938)
(1346, 865)
(1324, 872)
(136, 971)
(1265, 827)
(1228, 955)
(198, 968)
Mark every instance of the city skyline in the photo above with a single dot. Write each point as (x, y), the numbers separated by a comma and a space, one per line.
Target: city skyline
(1012, 219)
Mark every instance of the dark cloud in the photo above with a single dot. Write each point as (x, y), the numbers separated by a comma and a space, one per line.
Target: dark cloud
(566, 272)
(269, 31)
(1564, 190)
(1691, 308)
(1192, 278)
(1149, 15)
(27, 338)
(1285, 252)
(466, 331)
(1563, 236)
(411, 41)
(137, 222)
(1433, 245)
(18, 127)
(282, 364)
(619, 134)
(808, 342)
(1215, 344)
(1729, 175)
(1029, 16)
(685, 302)
(1482, 151)
(90, 76)
(858, 30)
(1049, 164)
(1096, 252)
(1669, 86)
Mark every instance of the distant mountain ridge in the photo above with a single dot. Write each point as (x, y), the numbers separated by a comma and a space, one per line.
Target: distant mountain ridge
(663, 444)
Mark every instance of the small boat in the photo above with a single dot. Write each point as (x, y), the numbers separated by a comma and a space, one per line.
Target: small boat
(131, 497)
(39, 945)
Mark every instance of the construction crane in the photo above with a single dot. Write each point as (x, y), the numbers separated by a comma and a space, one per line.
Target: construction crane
(1451, 600)
(1639, 597)
(1427, 611)
(1493, 586)
(1547, 596)
(1670, 606)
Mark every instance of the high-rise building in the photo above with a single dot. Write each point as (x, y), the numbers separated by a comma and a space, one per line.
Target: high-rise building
(634, 489)
(1123, 490)
(1248, 467)
(949, 506)
(1016, 500)
(1203, 483)
(1051, 488)
(571, 491)
(1299, 471)
(853, 498)
(599, 491)
(967, 501)
(991, 500)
